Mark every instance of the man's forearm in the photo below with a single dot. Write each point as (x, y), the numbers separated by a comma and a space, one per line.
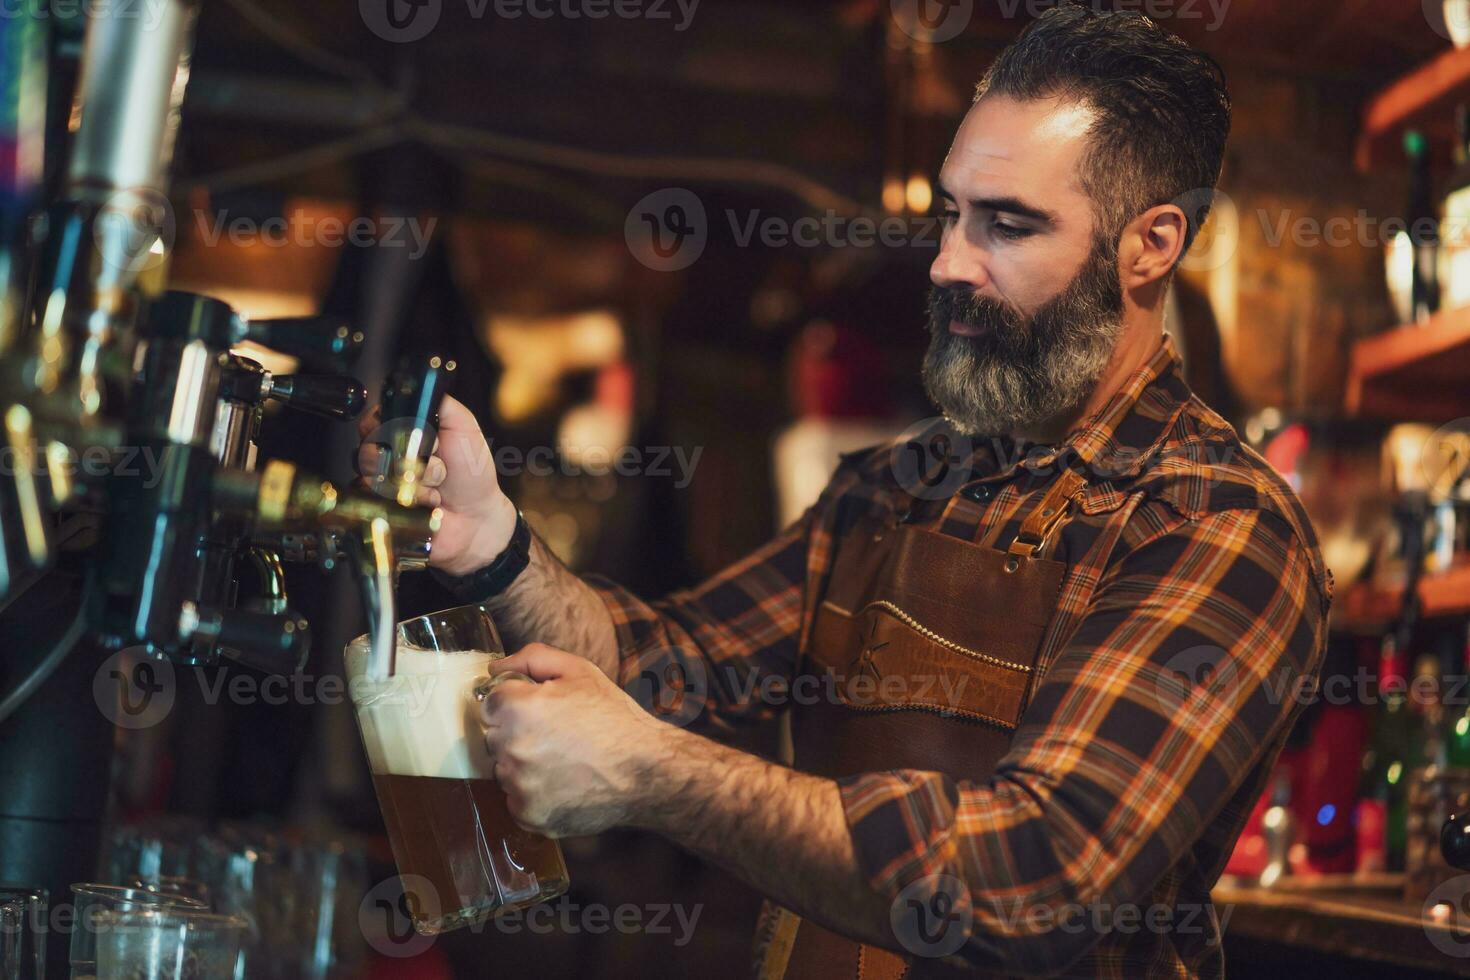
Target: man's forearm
(780, 831)
(548, 604)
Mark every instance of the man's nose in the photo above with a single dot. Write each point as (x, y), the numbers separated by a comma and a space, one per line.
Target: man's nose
(959, 264)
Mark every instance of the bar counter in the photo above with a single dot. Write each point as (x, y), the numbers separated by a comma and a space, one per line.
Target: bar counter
(1338, 926)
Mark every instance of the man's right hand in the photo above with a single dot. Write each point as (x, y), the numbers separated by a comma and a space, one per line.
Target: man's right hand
(479, 518)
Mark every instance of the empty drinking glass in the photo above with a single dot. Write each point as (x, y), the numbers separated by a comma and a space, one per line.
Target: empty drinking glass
(94, 901)
(168, 944)
(22, 933)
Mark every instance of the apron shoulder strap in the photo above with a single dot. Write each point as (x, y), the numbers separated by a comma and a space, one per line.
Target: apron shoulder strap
(1048, 515)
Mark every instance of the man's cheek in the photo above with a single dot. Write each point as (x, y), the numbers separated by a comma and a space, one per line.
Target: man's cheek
(515, 801)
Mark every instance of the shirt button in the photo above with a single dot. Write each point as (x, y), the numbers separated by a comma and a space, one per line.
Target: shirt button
(980, 493)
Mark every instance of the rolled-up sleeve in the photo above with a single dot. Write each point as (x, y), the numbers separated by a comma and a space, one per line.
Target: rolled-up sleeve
(1177, 681)
(719, 655)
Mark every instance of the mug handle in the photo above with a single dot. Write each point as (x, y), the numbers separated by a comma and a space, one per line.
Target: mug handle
(514, 883)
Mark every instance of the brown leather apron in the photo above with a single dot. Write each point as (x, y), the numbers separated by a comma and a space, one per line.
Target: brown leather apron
(926, 646)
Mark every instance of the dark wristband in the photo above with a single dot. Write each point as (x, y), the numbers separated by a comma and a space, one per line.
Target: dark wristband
(496, 577)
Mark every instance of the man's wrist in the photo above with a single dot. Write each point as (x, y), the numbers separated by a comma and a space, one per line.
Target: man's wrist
(489, 580)
(672, 755)
(492, 537)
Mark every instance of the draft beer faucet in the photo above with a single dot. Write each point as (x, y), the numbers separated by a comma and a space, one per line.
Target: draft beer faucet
(169, 572)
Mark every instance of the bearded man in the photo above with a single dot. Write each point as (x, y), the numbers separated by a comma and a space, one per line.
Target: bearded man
(1034, 657)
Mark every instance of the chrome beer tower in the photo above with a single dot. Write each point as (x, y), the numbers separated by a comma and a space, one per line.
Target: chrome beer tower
(181, 559)
(94, 365)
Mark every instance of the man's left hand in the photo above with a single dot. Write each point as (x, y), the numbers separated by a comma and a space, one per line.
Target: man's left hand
(573, 752)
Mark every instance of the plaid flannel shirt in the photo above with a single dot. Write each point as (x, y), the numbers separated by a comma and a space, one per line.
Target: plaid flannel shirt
(1195, 600)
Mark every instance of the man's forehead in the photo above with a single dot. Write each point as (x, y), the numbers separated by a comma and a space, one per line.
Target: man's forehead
(1036, 144)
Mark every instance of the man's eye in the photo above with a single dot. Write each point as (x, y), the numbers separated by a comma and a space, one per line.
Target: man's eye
(1010, 232)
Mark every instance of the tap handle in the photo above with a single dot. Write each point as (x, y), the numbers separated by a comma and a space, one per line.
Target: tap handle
(26, 544)
(1454, 841)
(410, 418)
(314, 339)
(334, 396)
(276, 643)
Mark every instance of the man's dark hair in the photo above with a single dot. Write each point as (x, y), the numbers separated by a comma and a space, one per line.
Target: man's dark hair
(1163, 113)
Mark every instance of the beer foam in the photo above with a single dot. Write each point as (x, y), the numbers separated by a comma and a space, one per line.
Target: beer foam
(423, 721)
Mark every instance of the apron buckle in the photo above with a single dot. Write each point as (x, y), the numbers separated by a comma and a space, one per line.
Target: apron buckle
(1042, 522)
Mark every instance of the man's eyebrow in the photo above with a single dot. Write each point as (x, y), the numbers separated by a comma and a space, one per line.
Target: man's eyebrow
(1007, 205)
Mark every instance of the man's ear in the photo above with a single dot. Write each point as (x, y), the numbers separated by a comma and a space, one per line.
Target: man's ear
(1152, 245)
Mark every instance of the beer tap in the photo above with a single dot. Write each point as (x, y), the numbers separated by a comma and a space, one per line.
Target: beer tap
(407, 433)
(376, 537)
(245, 388)
(174, 543)
(96, 365)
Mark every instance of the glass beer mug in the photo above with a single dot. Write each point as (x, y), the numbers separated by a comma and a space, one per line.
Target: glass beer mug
(461, 856)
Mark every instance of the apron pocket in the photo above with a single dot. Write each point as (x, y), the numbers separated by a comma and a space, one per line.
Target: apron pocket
(897, 663)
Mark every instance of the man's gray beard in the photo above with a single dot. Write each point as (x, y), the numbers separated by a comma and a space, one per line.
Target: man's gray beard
(987, 389)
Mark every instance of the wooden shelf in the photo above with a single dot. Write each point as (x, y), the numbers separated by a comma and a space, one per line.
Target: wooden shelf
(1419, 372)
(1424, 99)
(1366, 607)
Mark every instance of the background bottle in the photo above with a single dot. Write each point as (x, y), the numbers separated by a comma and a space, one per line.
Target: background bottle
(1457, 713)
(1423, 222)
(1454, 229)
(1383, 798)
